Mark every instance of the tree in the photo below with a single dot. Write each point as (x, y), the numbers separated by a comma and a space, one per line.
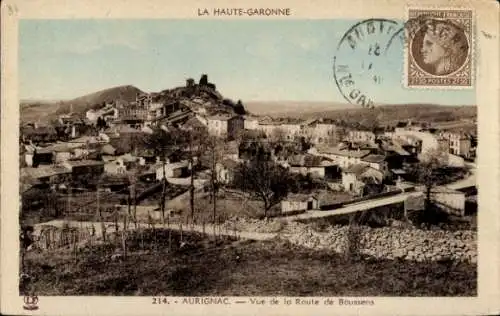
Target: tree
(278, 135)
(426, 171)
(161, 143)
(267, 180)
(212, 155)
(239, 108)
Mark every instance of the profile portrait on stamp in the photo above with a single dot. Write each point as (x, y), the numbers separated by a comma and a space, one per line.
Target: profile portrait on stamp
(440, 48)
(443, 48)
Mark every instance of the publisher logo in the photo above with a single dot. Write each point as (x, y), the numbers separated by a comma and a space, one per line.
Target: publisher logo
(30, 303)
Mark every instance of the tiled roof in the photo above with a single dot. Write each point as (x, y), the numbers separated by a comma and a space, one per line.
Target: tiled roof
(305, 160)
(43, 171)
(357, 169)
(194, 122)
(373, 158)
(108, 149)
(81, 163)
(344, 152)
(41, 130)
(220, 117)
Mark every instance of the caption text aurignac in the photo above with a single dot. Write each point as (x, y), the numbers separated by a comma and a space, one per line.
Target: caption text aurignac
(264, 301)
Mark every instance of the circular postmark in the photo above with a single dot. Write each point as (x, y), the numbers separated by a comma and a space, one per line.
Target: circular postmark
(361, 64)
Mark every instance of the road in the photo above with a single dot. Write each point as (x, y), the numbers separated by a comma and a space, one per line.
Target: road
(357, 207)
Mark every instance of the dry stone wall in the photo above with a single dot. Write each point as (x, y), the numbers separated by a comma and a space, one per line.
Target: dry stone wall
(384, 243)
(393, 243)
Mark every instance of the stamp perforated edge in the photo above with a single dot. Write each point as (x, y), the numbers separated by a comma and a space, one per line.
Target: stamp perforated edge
(473, 54)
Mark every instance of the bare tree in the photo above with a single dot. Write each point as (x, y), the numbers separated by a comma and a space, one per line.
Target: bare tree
(426, 171)
(196, 144)
(162, 143)
(213, 156)
(278, 135)
(267, 180)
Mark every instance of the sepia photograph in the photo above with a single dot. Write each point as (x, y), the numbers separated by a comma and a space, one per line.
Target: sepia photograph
(209, 158)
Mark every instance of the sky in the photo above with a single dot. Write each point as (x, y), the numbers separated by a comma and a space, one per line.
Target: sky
(251, 60)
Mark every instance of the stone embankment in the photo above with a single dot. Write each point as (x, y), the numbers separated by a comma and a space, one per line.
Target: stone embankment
(384, 243)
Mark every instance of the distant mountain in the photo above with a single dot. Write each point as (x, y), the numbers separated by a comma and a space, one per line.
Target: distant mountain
(293, 108)
(32, 110)
(389, 114)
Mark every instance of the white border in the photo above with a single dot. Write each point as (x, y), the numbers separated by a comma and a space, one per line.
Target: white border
(488, 152)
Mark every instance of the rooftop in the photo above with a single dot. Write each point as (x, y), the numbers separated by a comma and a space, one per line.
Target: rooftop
(306, 160)
(357, 169)
(220, 117)
(374, 158)
(344, 152)
(43, 171)
(82, 163)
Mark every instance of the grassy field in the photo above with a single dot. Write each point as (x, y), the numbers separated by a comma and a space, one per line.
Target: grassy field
(238, 268)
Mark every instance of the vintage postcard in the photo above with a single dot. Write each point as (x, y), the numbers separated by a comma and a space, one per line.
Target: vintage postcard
(240, 158)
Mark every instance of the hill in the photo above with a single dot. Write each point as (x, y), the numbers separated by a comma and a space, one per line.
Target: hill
(294, 108)
(44, 111)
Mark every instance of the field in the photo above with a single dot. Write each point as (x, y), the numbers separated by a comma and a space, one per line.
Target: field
(238, 268)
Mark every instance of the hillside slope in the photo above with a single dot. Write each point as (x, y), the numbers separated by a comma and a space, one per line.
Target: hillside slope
(45, 111)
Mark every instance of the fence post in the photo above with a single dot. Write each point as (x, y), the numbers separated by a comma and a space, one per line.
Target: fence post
(181, 231)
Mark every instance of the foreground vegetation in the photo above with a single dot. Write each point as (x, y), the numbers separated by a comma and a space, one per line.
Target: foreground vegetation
(200, 266)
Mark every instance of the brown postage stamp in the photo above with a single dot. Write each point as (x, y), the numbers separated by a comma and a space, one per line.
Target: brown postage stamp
(440, 50)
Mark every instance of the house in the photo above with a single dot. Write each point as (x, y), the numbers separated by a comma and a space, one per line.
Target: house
(127, 161)
(376, 162)
(344, 158)
(72, 123)
(361, 136)
(108, 113)
(251, 122)
(323, 133)
(315, 166)
(195, 123)
(226, 170)
(44, 174)
(291, 129)
(268, 126)
(359, 178)
(35, 156)
(38, 134)
(172, 170)
(108, 149)
(113, 182)
(146, 156)
(84, 167)
(451, 201)
(225, 126)
(114, 167)
(459, 143)
(61, 151)
(297, 203)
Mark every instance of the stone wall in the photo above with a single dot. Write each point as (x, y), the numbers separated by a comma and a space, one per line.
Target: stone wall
(393, 243)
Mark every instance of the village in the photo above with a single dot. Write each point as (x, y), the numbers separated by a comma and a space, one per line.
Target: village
(189, 160)
(109, 145)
